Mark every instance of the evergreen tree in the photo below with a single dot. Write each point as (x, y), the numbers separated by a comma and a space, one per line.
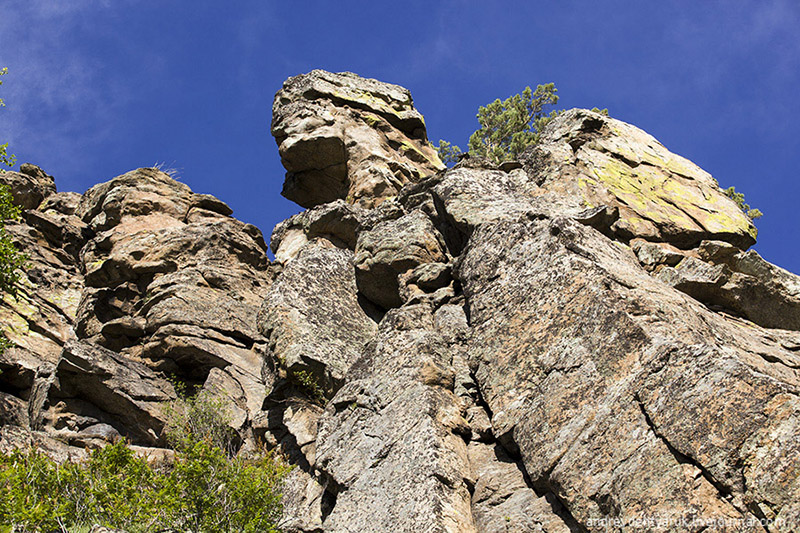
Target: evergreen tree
(508, 127)
(738, 197)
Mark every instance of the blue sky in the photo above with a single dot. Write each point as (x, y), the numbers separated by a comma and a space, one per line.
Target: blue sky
(99, 87)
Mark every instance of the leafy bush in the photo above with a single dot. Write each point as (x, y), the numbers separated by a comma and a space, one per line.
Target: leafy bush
(199, 417)
(202, 490)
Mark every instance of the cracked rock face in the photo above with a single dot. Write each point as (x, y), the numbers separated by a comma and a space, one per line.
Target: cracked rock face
(579, 341)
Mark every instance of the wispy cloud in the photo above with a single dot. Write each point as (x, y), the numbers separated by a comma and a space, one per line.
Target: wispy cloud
(759, 38)
(49, 78)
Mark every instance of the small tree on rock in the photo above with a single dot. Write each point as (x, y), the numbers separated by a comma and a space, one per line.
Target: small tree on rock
(738, 197)
(508, 127)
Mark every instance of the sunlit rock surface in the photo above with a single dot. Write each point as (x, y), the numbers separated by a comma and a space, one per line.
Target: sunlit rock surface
(578, 341)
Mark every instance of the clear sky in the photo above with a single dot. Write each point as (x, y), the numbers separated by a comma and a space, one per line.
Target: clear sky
(98, 87)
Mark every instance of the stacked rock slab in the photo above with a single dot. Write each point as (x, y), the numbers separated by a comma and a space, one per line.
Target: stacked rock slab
(341, 136)
(578, 341)
(133, 287)
(37, 319)
(175, 282)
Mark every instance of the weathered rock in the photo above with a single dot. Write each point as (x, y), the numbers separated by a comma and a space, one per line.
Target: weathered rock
(766, 294)
(13, 437)
(644, 404)
(392, 248)
(426, 278)
(13, 411)
(652, 254)
(390, 441)
(660, 196)
(65, 203)
(312, 315)
(141, 192)
(37, 319)
(698, 279)
(470, 197)
(337, 222)
(302, 500)
(502, 501)
(742, 283)
(131, 394)
(572, 342)
(30, 186)
(176, 283)
(341, 136)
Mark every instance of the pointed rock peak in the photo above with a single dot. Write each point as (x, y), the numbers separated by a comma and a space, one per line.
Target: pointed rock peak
(341, 136)
(661, 196)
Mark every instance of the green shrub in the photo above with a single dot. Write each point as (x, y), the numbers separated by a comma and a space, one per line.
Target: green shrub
(738, 197)
(31, 492)
(214, 493)
(203, 489)
(199, 417)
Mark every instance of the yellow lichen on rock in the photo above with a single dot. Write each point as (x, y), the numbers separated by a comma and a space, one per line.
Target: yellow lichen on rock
(660, 195)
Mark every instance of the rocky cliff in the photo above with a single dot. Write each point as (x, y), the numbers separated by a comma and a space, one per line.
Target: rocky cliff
(576, 341)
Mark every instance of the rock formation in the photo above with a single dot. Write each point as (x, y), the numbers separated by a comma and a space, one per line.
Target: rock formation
(577, 341)
(341, 136)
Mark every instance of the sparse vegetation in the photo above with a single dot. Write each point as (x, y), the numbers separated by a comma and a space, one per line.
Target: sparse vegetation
(199, 417)
(11, 259)
(508, 127)
(203, 489)
(738, 197)
(6, 159)
(308, 384)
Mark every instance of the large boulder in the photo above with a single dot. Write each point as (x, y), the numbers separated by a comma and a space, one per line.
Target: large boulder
(660, 196)
(341, 136)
